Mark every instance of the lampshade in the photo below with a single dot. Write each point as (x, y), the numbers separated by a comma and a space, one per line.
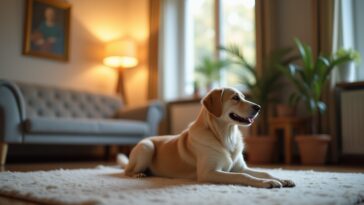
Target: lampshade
(121, 54)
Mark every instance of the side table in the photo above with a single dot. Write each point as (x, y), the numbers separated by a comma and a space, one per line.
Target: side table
(290, 127)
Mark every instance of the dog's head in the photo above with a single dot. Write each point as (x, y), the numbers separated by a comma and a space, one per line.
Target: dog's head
(230, 105)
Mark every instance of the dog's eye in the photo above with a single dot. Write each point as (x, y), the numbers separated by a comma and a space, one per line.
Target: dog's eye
(236, 98)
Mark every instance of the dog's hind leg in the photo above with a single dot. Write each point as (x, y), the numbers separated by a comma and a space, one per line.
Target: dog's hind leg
(140, 158)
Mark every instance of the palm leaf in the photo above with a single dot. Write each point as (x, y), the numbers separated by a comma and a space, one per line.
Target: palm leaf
(236, 53)
(306, 54)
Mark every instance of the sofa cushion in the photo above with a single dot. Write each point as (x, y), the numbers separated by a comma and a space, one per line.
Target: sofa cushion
(49, 125)
(48, 101)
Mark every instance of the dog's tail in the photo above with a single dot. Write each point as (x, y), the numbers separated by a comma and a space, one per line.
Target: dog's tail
(122, 160)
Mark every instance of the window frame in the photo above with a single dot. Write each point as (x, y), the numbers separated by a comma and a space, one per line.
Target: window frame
(174, 48)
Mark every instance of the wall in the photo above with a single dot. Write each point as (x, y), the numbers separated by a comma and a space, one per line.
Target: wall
(93, 24)
(138, 28)
(294, 19)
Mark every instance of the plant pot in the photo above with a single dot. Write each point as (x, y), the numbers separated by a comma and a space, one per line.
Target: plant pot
(284, 110)
(260, 149)
(313, 148)
(346, 72)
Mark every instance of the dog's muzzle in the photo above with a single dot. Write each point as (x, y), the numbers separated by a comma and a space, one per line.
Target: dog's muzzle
(246, 120)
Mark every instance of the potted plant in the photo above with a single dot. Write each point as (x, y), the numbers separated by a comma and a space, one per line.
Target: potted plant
(210, 69)
(346, 73)
(309, 79)
(260, 146)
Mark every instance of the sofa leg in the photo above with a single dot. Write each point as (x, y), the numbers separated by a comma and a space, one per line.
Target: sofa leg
(3, 152)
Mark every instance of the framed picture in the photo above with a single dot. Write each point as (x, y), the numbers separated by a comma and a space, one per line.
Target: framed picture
(47, 29)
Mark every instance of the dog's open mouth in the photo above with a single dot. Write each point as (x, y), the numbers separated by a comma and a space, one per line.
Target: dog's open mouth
(240, 119)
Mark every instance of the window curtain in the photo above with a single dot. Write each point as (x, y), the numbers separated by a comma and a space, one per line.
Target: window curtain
(172, 49)
(325, 25)
(265, 18)
(154, 24)
(343, 37)
(266, 35)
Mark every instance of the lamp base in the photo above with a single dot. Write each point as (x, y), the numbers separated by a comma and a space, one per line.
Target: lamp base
(120, 88)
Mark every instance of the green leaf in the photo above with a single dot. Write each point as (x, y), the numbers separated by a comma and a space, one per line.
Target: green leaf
(306, 54)
(293, 69)
(316, 89)
(334, 64)
(239, 58)
(210, 68)
(322, 65)
(311, 103)
(321, 106)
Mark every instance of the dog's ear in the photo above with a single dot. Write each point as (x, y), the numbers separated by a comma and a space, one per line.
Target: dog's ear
(213, 102)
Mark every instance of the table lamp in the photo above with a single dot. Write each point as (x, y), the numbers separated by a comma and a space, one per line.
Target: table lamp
(121, 55)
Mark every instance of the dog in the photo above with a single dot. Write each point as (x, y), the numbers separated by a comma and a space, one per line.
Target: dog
(209, 150)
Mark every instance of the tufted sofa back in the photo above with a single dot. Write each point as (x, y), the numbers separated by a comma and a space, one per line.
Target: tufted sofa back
(44, 101)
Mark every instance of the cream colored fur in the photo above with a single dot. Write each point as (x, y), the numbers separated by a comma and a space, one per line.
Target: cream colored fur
(209, 150)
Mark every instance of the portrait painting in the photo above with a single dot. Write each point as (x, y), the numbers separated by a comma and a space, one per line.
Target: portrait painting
(47, 29)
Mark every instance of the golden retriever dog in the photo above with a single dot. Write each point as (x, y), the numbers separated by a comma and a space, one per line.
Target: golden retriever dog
(209, 150)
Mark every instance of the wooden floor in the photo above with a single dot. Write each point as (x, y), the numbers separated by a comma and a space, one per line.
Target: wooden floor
(78, 165)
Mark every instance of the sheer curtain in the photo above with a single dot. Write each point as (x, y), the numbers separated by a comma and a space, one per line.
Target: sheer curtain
(344, 37)
(172, 49)
(359, 34)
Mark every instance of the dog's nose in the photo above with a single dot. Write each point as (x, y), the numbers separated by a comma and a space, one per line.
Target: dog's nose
(256, 107)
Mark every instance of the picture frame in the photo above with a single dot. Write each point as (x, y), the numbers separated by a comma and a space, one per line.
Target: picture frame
(47, 29)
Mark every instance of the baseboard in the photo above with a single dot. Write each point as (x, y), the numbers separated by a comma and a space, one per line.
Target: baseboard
(352, 160)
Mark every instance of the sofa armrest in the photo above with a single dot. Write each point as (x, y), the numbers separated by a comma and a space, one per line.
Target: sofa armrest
(152, 113)
(12, 112)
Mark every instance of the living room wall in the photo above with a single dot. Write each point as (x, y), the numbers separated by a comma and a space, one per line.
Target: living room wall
(93, 24)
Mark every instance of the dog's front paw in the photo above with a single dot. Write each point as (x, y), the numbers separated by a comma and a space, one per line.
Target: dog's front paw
(139, 175)
(271, 183)
(287, 183)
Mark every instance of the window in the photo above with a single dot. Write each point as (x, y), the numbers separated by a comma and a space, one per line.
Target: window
(347, 34)
(236, 25)
(192, 30)
(202, 25)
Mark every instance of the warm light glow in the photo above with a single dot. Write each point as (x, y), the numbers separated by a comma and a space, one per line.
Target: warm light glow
(119, 61)
(121, 54)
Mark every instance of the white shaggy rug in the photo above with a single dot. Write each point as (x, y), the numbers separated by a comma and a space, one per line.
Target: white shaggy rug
(107, 185)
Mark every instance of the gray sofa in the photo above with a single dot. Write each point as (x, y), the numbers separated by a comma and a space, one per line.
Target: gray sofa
(48, 115)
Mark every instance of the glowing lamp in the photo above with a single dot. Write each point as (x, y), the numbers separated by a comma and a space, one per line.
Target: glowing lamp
(121, 54)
